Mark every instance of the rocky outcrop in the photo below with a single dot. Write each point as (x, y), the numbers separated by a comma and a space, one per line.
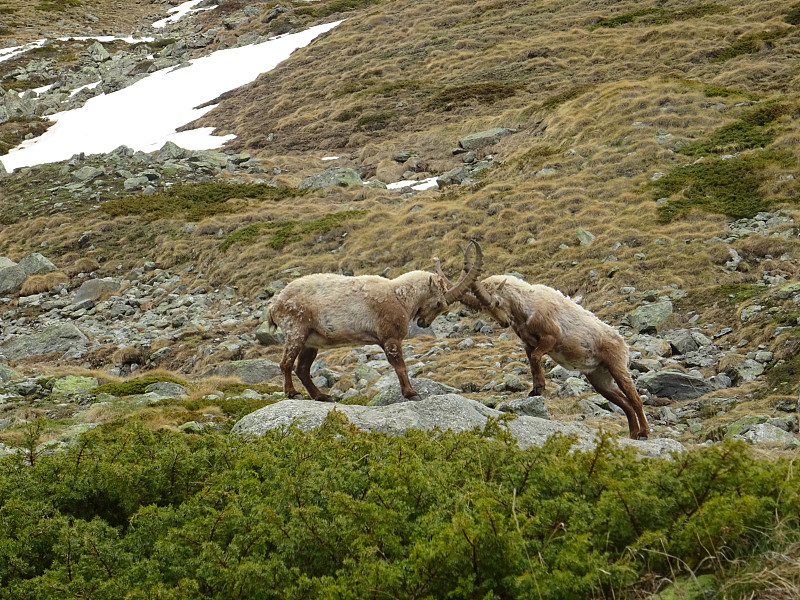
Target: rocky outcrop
(333, 177)
(64, 339)
(446, 412)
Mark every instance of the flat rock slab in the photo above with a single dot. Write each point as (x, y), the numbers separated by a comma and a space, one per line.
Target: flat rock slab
(447, 411)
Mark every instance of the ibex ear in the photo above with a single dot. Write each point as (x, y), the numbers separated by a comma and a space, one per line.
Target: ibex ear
(500, 286)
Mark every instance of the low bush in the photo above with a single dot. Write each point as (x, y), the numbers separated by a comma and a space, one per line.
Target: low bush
(287, 232)
(337, 513)
(730, 187)
(195, 201)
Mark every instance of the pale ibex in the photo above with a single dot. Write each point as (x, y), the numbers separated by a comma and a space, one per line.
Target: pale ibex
(327, 310)
(549, 323)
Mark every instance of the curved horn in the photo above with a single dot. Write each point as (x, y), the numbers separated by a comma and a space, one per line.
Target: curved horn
(437, 268)
(472, 269)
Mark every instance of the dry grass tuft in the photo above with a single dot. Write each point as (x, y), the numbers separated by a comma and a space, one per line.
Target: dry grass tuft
(38, 284)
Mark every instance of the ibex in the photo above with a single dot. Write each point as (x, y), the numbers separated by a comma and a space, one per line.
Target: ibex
(549, 323)
(327, 310)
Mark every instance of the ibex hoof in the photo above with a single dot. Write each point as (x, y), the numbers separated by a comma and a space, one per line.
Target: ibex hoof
(296, 396)
(536, 392)
(416, 398)
(641, 437)
(324, 398)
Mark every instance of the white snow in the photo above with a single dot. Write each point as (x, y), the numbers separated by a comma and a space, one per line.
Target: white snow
(179, 12)
(88, 86)
(424, 184)
(8, 53)
(145, 115)
(329, 158)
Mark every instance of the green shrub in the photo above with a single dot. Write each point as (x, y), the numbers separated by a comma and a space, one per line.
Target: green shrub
(374, 121)
(287, 232)
(195, 201)
(750, 44)
(793, 16)
(487, 92)
(730, 187)
(566, 96)
(625, 18)
(57, 5)
(320, 10)
(338, 513)
(137, 385)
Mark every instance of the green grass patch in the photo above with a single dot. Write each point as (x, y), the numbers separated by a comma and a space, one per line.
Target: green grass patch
(751, 44)
(374, 121)
(57, 5)
(625, 18)
(793, 16)
(661, 16)
(283, 233)
(718, 91)
(570, 94)
(348, 114)
(730, 187)
(324, 9)
(389, 89)
(487, 92)
(750, 131)
(5, 10)
(195, 201)
(138, 385)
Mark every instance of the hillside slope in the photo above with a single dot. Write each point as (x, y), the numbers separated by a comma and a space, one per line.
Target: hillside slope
(649, 153)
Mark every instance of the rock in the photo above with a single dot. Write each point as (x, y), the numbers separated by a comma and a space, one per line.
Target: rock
(7, 373)
(674, 385)
(256, 370)
(2, 167)
(649, 317)
(94, 289)
(98, 53)
(266, 336)
(574, 386)
(447, 411)
(335, 176)
(742, 425)
(365, 372)
(584, 237)
(787, 291)
(63, 338)
(390, 387)
(453, 176)
(72, 385)
(681, 340)
(86, 174)
(166, 389)
(171, 151)
(36, 264)
(531, 406)
(481, 139)
(765, 433)
(749, 370)
(11, 279)
(782, 404)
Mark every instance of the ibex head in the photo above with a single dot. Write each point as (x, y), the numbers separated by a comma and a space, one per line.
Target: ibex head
(443, 292)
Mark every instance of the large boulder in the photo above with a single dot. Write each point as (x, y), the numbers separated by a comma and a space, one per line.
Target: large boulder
(390, 389)
(62, 338)
(336, 176)
(256, 370)
(674, 385)
(11, 279)
(481, 139)
(649, 317)
(94, 289)
(36, 264)
(448, 411)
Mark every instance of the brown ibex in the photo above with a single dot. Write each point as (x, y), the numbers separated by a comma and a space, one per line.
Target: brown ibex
(549, 323)
(327, 310)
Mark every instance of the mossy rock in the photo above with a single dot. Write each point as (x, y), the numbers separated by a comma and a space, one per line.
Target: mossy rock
(72, 385)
